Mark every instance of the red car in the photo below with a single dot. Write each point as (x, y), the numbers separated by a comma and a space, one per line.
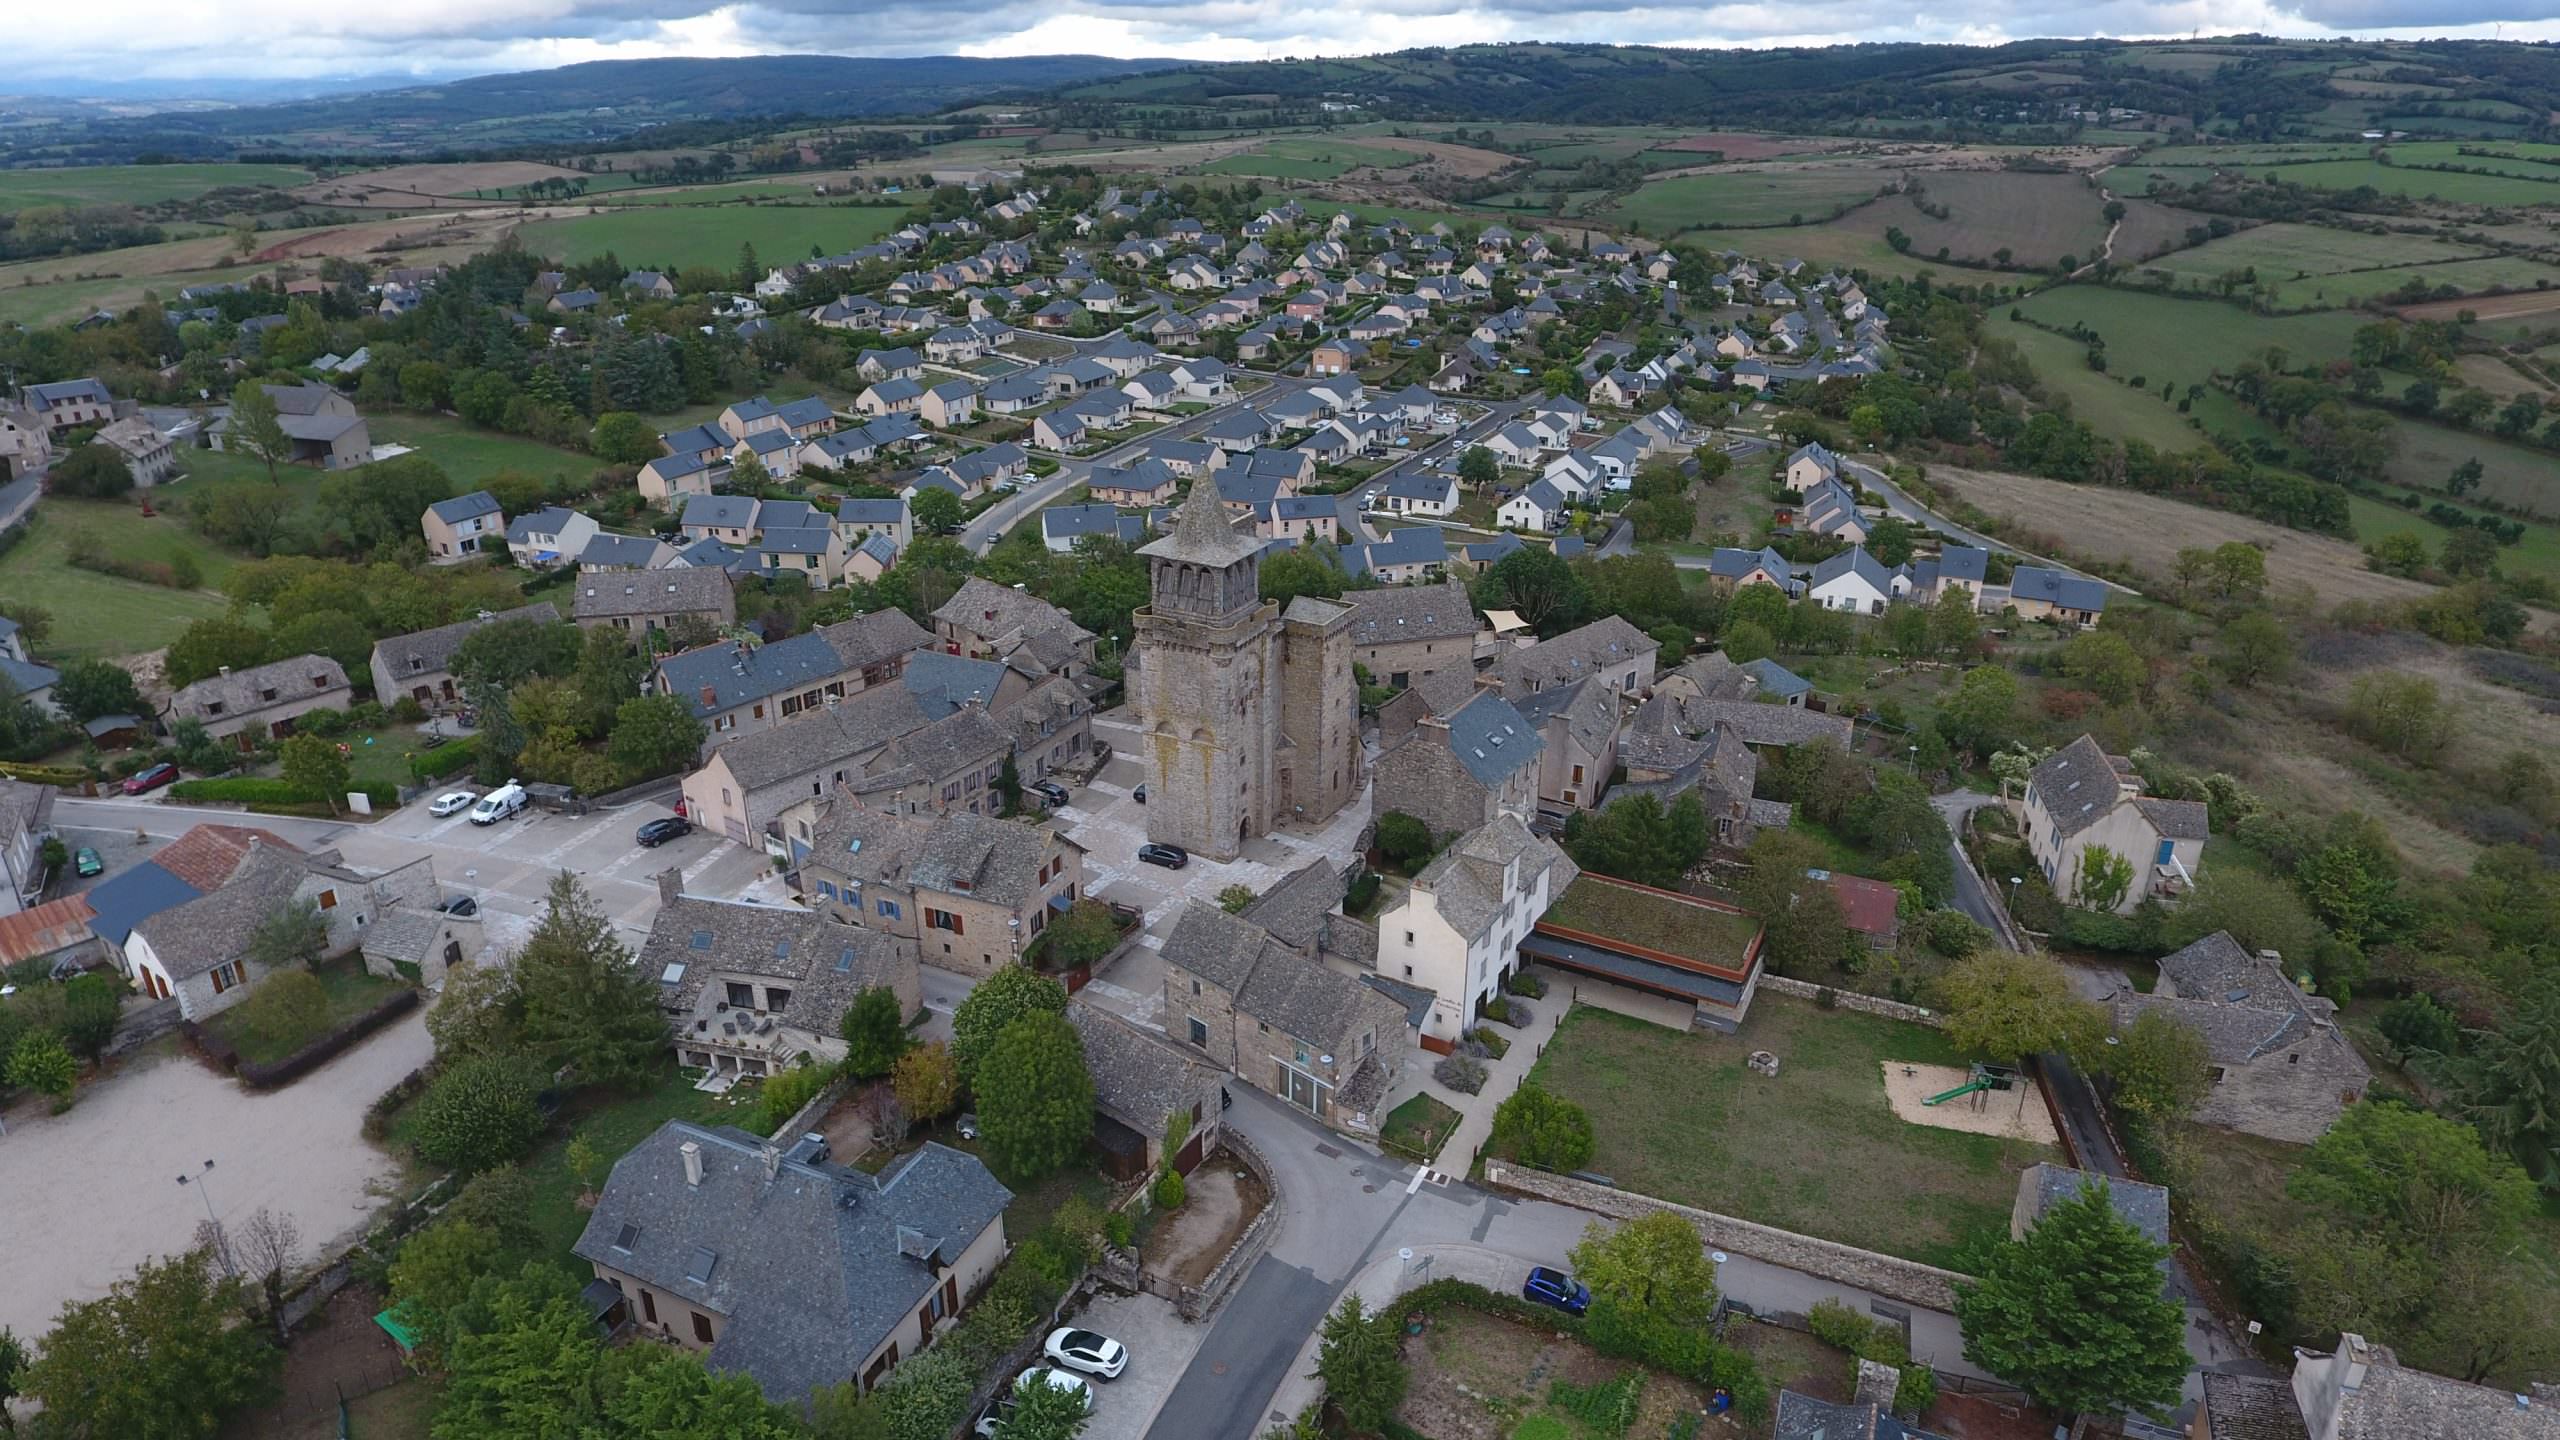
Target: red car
(143, 782)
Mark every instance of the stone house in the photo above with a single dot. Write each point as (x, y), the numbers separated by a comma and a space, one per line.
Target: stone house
(1457, 930)
(26, 818)
(61, 405)
(150, 455)
(779, 1266)
(2281, 1066)
(2361, 1391)
(420, 945)
(640, 601)
(1402, 634)
(756, 989)
(970, 892)
(2042, 1186)
(1458, 771)
(199, 951)
(463, 525)
(419, 665)
(1578, 727)
(736, 688)
(1140, 1081)
(1316, 1038)
(747, 782)
(2081, 798)
(995, 622)
(1621, 655)
(322, 425)
(263, 701)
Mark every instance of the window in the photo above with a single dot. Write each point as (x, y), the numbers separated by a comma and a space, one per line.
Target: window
(776, 998)
(1408, 937)
(701, 1327)
(1195, 987)
(1577, 774)
(328, 899)
(827, 889)
(759, 710)
(2218, 1073)
(268, 694)
(226, 976)
(649, 1304)
(943, 920)
(742, 996)
(213, 707)
(1408, 972)
(1199, 1032)
(889, 910)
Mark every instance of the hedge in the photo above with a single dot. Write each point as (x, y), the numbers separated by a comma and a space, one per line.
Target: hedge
(66, 775)
(444, 760)
(256, 791)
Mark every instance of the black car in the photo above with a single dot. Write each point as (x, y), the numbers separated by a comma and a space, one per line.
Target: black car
(1139, 794)
(1171, 857)
(659, 832)
(461, 905)
(1049, 790)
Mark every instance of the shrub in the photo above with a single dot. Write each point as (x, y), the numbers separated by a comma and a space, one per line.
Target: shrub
(1497, 1008)
(324, 723)
(1403, 839)
(1524, 983)
(786, 1092)
(1169, 1193)
(1516, 1014)
(288, 1008)
(407, 710)
(1363, 890)
(480, 1113)
(1834, 1323)
(451, 758)
(1917, 1392)
(1459, 1073)
(1544, 1130)
(1494, 1044)
(253, 791)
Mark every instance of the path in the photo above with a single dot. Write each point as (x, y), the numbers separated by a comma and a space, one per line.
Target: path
(17, 498)
(1898, 501)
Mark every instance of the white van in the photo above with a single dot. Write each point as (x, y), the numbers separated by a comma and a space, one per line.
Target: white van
(498, 804)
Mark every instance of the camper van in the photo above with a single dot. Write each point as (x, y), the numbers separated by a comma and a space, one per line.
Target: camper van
(498, 804)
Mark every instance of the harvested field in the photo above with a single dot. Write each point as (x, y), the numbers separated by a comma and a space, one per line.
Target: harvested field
(1739, 145)
(2488, 372)
(134, 184)
(2017, 1113)
(2282, 250)
(2487, 308)
(2038, 218)
(2147, 531)
(418, 187)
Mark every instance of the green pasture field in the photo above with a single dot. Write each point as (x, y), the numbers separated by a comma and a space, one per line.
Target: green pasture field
(134, 184)
(2283, 250)
(94, 614)
(678, 236)
(2112, 407)
(471, 456)
(2537, 554)
(1310, 158)
(2166, 338)
(2451, 187)
(1745, 197)
(2511, 474)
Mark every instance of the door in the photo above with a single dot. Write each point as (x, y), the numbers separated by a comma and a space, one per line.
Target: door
(1189, 1159)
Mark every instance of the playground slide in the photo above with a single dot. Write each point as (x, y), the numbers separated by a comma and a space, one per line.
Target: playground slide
(1962, 1090)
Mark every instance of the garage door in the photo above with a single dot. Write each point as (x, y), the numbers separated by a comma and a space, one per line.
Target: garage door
(1189, 1159)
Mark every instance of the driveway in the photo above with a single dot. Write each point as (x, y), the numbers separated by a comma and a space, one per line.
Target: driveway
(93, 1192)
(1161, 1345)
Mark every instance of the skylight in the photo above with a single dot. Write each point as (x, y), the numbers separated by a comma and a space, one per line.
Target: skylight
(701, 940)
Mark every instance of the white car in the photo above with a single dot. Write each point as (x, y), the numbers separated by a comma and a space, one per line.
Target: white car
(1056, 1379)
(1084, 1350)
(452, 802)
(991, 1420)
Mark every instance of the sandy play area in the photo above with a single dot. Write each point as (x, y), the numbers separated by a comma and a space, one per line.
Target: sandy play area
(2017, 1113)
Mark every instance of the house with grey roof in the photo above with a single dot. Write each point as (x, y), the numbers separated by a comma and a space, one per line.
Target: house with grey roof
(1456, 771)
(640, 601)
(2138, 1203)
(322, 425)
(549, 536)
(756, 989)
(1803, 1417)
(1140, 1081)
(2081, 800)
(859, 519)
(2042, 593)
(1855, 582)
(781, 1266)
(1954, 567)
(995, 622)
(1315, 1037)
(2361, 1391)
(1061, 526)
(971, 892)
(462, 525)
(2281, 1066)
(1456, 932)
(261, 702)
(59, 405)
(1578, 726)
(1619, 653)
(199, 951)
(747, 782)
(419, 665)
(1400, 557)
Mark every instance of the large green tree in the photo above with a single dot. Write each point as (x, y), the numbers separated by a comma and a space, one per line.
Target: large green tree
(157, 1355)
(996, 1002)
(875, 1033)
(1806, 935)
(1035, 1097)
(88, 689)
(2076, 1314)
(256, 429)
(654, 735)
(2511, 1087)
(2007, 1006)
(1650, 1279)
(1360, 1359)
(313, 765)
(586, 1005)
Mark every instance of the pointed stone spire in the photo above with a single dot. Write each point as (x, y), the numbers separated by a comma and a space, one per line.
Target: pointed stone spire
(1202, 533)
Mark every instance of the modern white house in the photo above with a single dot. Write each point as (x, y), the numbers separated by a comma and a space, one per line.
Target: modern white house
(1457, 932)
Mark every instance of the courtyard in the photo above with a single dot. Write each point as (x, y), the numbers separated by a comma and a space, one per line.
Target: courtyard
(92, 1192)
(1816, 1149)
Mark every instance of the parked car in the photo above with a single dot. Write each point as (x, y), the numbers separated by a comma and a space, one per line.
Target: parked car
(1084, 1350)
(498, 804)
(143, 782)
(1171, 857)
(461, 907)
(452, 802)
(1556, 1290)
(659, 832)
(1139, 794)
(1049, 790)
(967, 1125)
(1056, 1379)
(85, 863)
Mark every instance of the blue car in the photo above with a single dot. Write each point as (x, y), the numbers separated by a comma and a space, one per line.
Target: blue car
(1557, 1290)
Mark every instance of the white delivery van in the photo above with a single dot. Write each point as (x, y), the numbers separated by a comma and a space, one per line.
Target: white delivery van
(498, 804)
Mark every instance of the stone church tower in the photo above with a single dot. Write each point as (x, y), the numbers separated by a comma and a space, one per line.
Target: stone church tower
(1250, 716)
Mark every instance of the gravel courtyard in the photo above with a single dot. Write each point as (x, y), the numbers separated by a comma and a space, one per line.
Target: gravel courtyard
(92, 1192)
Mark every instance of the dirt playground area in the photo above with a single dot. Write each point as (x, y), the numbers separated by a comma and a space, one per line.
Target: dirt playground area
(1220, 1198)
(2016, 1113)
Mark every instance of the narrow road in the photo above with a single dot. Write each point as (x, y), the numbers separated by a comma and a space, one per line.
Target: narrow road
(1898, 501)
(2210, 1345)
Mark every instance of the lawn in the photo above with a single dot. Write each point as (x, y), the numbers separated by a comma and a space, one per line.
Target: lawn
(1746, 197)
(470, 456)
(134, 184)
(1418, 1126)
(672, 237)
(1309, 158)
(1815, 1150)
(351, 990)
(95, 614)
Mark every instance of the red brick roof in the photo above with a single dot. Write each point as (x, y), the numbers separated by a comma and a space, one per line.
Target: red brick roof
(206, 856)
(1868, 905)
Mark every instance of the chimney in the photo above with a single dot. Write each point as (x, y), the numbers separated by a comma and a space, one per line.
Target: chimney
(692, 1153)
(670, 885)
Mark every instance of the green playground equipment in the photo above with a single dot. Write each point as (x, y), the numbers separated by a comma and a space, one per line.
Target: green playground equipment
(1985, 1078)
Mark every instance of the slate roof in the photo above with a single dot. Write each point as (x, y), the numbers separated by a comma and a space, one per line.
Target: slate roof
(1491, 739)
(1294, 910)
(1214, 945)
(813, 1265)
(2244, 1007)
(619, 552)
(1413, 545)
(465, 507)
(214, 927)
(610, 593)
(1801, 1417)
(997, 861)
(240, 692)
(733, 674)
(428, 652)
(1759, 724)
(724, 511)
(982, 607)
(2076, 786)
(1139, 1078)
(1466, 879)
(2144, 1205)
(1776, 679)
(1413, 612)
(132, 895)
(808, 743)
(2071, 592)
(1201, 533)
(887, 514)
(1307, 1000)
(1574, 654)
(2251, 1407)
(1854, 561)
(2395, 1402)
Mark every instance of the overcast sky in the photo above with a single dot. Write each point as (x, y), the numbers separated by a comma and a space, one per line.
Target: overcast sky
(127, 40)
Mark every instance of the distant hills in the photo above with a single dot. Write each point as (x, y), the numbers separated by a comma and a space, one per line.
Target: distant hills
(599, 100)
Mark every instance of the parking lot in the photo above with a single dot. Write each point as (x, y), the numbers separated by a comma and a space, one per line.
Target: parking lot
(1160, 1348)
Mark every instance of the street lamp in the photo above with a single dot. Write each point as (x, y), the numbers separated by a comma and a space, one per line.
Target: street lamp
(201, 1181)
(1915, 759)
(2013, 894)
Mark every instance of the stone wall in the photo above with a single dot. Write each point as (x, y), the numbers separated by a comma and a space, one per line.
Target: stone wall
(1906, 1281)
(1852, 1000)
(1425, 780)
(1197, 1302)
